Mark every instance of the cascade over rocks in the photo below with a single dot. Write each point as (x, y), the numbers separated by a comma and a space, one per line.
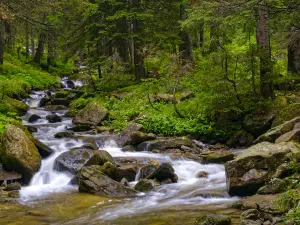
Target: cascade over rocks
(93, 181)
(43, 149)
(118, 173)
(93, 114)
(256, 165)
(18, 153)
(73, 160)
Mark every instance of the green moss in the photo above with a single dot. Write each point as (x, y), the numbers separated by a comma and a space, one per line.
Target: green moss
(286, 114)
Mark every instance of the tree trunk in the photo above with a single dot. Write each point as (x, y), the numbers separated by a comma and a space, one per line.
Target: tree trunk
(201, 34)
(40, 49)
(27, 39)
(2, 42)
(32, 43)
(294, 52)
(264, 51)
(185, 48)
(214, 36)
(9, 36)
(138, 59)
(51, 47)
(122, 44)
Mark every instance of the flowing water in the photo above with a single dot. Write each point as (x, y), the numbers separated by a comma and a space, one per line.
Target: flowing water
(49, 199)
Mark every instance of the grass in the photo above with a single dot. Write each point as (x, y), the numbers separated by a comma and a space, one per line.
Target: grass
(17, 79)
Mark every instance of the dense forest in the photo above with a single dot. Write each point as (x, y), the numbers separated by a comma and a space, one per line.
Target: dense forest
(212, 82)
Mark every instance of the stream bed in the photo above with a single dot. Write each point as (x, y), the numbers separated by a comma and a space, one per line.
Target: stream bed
(49, 199)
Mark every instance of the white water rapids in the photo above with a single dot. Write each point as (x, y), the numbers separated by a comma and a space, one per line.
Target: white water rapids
(190, 190)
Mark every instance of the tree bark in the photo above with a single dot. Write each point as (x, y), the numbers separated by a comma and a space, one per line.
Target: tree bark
(32, 43)
(185, 48)
(294, 52)
(2, 42)
(40, 49)
(264, 51)
(201, 34)
(51, 47)
(27, 39)
(214, 36)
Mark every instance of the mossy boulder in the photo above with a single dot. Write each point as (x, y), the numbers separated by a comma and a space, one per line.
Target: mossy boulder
(93, 114)
(256, 165)
(293, 135)
(286, 114)
(213, 220)
(18, 153)
(100, 157)
(218, 157)
(17, 106)
(273, 187)
(93, 181)
(275, 132)
(118, 173)
(165, 98)
(147, 170)
(144, 185)
(165, 144)
(64, 134)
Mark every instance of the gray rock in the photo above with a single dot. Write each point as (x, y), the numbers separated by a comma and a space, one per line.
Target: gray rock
(53, 118)
(33, 118)
(93, 181)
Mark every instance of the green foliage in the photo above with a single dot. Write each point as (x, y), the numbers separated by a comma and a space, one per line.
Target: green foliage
(288, 200)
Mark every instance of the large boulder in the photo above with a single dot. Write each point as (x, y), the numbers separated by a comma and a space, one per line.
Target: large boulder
(144, 185)
(93, 114)
(54, 118)
(33, 118)
(93, 181)
(146, 170)
(18, 153)
(256, 165)
(218, 157)
(134, 138)
(17, 106)
(165, 144)
(73, 160)
(293, 135)
(287, 113)
(275, 132)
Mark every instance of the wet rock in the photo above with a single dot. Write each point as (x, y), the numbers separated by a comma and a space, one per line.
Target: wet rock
(33, 118)
(60, 101)
(163, 172)
(13, 187)
(293, 135)
(91, 145)
(146, 171)
(64, 134)
(213, 220)
(144, 185)
(273, 187)
(256, 165)
(93, 114)
(43, 149)
(93, 181)
(274, 133)
(54, 118)
(18, 153)
(125, 182)
(202, 174)
(44, 101)
(70, 84)
(165, 144)
(134, 138)
(31, 129)
(73, 160)
(128, 148)
(80, 128)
